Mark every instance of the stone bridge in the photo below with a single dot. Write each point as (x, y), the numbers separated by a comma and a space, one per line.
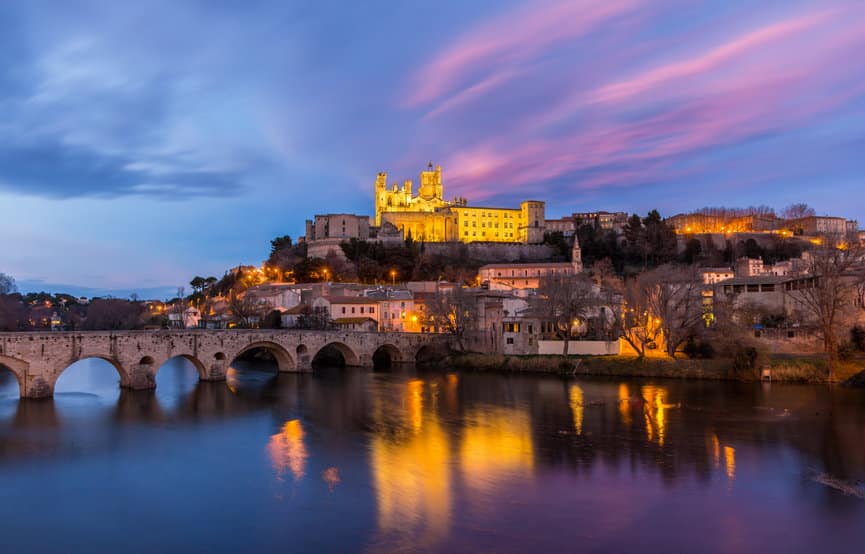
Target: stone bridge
(38, 359)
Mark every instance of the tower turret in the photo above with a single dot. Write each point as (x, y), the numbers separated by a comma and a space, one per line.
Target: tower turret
(380, 195)
(577, 256)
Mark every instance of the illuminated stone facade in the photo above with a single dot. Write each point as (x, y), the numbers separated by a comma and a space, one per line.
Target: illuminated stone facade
(428, 217)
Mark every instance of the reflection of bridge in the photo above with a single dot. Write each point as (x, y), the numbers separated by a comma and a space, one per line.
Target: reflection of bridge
(38, 359)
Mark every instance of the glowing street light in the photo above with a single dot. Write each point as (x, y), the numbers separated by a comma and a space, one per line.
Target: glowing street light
(393, 277)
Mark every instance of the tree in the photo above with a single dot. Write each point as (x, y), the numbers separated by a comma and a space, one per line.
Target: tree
(246, 308)
(674, 296)
(797, 211)
(13, 313)
(197, 284)
(564, 300)
(7, 284)
(693, 249)
(665, 302)
(453, 312)
(113, 314)
(636, 325)
(835, 275)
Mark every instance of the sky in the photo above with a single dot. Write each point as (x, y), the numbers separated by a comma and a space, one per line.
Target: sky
(144, 143)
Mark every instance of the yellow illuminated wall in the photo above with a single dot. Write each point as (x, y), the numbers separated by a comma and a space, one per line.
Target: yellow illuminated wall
(428, 217)
(490, 224)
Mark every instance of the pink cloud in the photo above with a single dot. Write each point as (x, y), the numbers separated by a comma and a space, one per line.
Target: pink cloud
(509, 40)
(616, 92)
(700, 103)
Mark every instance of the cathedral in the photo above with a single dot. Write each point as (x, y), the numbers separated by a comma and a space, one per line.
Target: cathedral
(428, 217)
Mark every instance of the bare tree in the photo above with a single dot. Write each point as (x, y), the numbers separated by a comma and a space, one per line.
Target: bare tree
(454, 311)
(246, 308)
(665, 302)
(828, 295)
(797, 211)
(565, 300)
(637, 326)
(113, 313)
(7, 284)
(13, 313)
(675, 297)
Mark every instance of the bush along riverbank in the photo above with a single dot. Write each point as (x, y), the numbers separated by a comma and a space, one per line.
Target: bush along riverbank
(741, 368)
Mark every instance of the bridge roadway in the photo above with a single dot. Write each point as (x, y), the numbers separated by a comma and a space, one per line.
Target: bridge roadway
(38, 359)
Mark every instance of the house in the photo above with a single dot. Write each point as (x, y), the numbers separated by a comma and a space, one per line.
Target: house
(276, 296)
(523, 276)
(397, 311)
(712, 275)
(366, 324)
(341, 307)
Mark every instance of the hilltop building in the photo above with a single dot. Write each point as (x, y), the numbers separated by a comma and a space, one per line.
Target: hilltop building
(428, 217)
(517, 277)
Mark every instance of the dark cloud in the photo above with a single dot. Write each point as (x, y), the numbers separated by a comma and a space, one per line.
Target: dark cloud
(60, 171)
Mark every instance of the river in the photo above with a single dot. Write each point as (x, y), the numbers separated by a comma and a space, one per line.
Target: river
(443, 461)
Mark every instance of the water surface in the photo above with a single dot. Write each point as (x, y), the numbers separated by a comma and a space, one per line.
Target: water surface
(351, 460)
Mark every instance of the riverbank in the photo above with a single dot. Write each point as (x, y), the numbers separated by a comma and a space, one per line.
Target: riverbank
(787, 369)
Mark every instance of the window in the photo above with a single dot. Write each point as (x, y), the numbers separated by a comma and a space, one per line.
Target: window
(510, 340)
(343, 309)
(352, 309)
(372, 309)
(361, 309)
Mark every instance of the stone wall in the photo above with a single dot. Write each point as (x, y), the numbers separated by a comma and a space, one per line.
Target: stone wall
(579, 347)
(38, 359)
(492, 252)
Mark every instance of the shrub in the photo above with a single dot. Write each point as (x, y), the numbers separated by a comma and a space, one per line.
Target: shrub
(857, 338)
(846, 351)
(699, 349)
(745, 361)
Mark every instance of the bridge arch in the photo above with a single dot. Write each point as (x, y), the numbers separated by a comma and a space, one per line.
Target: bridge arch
(16, 367)
(386, 356)
(199, 366)
(121, 371)
(284, 360)
(427, 354)
(334, 352)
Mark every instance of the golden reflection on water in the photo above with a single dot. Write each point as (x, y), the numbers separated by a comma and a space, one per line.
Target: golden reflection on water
(411, 471)
(575, 394)
(415, 404)
(287, 451)
(730, 462)
(716, 451)
(496, 445)
(625, 404)
(655, 412)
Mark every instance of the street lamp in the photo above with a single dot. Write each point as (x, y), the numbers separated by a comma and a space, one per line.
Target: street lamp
(393, 277)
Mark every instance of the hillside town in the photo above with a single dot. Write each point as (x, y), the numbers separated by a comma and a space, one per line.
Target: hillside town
(509, 281)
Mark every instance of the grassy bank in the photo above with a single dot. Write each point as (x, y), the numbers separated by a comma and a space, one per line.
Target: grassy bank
(783, 369)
